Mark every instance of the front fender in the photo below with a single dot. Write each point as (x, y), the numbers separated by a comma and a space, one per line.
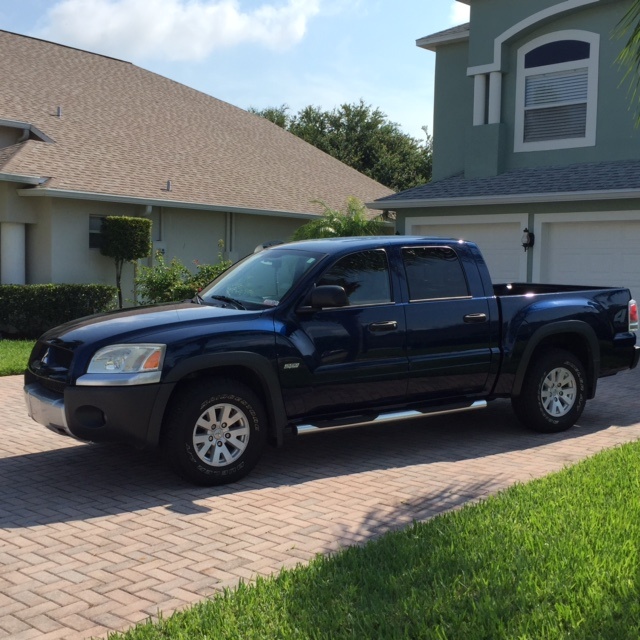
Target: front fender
(258, 367)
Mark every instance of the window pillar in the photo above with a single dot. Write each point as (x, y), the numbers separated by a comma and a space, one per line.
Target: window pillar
(479, 99)
(495, 97)
(13, 253)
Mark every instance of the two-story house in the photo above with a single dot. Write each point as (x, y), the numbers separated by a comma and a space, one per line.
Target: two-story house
(534, 128)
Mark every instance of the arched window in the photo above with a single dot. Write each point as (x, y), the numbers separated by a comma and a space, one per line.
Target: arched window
(557, 90)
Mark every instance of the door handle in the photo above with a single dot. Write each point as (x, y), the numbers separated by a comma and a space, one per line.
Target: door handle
(377, 327)
(474, 318)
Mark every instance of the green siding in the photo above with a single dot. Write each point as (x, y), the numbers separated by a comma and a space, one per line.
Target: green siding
(491, 18)
(458, 146)
(529, 208)
(452, 111)
(617, 137)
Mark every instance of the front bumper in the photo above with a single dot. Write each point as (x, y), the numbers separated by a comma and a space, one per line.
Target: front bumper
(100, 414)
(47, 408)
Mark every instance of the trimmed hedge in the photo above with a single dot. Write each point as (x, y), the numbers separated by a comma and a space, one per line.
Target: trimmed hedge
(27, 311)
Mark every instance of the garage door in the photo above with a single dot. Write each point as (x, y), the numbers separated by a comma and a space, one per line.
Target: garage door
(591, 252)
(498, 241)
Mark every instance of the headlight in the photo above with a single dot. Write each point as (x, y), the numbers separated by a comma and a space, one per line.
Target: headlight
(128, 358)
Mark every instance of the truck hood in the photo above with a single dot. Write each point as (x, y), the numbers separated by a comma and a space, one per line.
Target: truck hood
(126, 324)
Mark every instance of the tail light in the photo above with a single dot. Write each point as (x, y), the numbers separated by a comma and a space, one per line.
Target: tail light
(633, 315)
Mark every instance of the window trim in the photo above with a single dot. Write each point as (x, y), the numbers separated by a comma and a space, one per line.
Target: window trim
(591, 64)
(93, 234)
(391, 300)
(406, 275)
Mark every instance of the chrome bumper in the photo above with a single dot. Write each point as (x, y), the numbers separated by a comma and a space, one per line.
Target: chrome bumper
(46, 408)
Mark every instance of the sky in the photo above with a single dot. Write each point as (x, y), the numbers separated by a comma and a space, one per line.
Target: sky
(263, 53)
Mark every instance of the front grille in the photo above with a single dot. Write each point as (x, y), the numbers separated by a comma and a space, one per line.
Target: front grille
(49, 365)
(53, 385)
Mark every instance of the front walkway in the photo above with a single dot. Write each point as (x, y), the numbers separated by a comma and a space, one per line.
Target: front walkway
(95, 538)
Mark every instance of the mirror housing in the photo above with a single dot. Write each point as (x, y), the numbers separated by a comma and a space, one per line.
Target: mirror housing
(328, 296)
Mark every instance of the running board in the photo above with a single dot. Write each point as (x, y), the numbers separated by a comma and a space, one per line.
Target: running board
(390, 417)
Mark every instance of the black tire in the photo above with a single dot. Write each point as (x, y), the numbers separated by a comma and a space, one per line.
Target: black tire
(200, 445)
(553, 394)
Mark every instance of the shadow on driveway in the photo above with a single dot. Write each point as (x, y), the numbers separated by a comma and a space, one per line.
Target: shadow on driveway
(86, 481)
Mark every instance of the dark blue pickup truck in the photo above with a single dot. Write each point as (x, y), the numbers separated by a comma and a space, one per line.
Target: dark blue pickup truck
(328, 333)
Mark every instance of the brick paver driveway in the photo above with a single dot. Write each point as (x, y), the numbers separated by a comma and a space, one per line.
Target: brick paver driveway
(95, 538)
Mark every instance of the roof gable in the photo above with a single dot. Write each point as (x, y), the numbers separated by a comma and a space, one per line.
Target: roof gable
(120, 130)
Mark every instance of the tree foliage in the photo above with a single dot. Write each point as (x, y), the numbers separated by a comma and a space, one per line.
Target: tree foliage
(629, 27)
(340, 224)
(363, 138)
(125, 239)
(173, 281)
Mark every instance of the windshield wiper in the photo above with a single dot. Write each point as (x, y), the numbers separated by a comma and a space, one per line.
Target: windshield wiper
(236, 303)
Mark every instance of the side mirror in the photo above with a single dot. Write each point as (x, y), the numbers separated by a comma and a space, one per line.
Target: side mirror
(328, 296)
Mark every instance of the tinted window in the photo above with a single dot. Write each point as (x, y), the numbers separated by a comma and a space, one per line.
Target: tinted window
(434, 272)
(364, 276)
(556, 52)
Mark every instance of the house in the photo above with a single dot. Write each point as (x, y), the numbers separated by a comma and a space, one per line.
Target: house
(83, 136)
(534, 130)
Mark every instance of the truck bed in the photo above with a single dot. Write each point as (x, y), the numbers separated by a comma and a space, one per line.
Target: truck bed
(530, 288)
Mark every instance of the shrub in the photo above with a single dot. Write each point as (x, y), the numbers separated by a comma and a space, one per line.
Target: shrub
(170, 282)
(27, 311)
(125, 239)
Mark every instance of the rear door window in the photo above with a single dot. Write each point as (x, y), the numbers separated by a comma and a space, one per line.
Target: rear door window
(434, 272)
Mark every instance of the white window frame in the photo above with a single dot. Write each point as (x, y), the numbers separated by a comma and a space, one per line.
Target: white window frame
(591, 64)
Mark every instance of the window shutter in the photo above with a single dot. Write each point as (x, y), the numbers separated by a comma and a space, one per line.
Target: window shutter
(556, 105)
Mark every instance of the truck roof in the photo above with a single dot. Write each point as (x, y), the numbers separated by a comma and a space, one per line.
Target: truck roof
(337, 245)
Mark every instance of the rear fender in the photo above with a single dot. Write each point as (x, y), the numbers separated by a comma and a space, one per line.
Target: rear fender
(544, 336)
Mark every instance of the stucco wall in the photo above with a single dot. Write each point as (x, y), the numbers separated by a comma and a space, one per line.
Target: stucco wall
(254, 230)
(452, 110)
(492, 18)
(534, 208)
(58, 247)
(617, 137)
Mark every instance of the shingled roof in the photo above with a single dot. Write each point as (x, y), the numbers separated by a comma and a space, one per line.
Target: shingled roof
(459, 33)
(121, 131)
(586, 181)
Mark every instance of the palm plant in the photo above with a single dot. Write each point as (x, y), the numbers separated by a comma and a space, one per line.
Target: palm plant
(339, 224)
(629, 26)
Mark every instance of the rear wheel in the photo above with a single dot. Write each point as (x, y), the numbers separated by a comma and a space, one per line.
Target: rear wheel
(214, 431)
(553, 394)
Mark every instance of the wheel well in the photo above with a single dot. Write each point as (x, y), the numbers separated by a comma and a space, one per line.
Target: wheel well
(572, 342)
(576, 344)
(239, 374)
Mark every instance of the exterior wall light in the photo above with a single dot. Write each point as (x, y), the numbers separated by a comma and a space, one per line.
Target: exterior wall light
(528, 239)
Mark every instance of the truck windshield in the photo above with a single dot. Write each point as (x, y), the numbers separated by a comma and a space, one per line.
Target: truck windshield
(260, 280)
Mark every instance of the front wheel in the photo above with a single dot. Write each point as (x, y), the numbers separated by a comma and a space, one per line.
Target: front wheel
(214, 431)
(553, 394)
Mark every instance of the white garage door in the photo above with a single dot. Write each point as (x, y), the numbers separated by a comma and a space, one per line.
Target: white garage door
(591, 252)
(499, 243)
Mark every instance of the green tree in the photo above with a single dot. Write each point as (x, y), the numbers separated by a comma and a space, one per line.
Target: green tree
(340, 224)
(125, 239)
(277, 115)
(363, 138)
(629, 27)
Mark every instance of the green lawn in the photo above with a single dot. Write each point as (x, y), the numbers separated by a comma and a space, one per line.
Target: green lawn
(14, 355)
(556, 558)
